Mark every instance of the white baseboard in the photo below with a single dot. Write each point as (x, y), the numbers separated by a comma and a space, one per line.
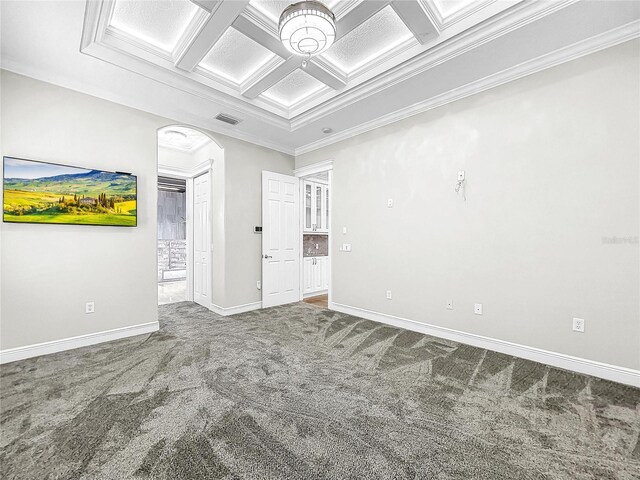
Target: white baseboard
(226, 311)
(28, 351)
(624, 375)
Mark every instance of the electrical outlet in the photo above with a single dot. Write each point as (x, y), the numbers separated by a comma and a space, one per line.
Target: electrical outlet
(449, 304)
(259, 285)
(89, 307)
(388, 294)
(390, 203)
(578, 325)
(477, 309)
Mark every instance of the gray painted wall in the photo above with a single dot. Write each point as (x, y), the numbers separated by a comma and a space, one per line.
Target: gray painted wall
(50, 271)
(244, 163)
(552, 166)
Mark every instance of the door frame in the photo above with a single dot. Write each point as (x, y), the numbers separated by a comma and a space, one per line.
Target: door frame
(319, 167)
(189, 177)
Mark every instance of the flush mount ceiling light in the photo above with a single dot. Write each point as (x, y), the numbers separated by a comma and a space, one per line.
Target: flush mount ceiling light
(175, 135)
(307, 28)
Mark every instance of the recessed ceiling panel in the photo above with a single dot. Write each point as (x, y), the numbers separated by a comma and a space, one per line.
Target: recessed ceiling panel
(273, 8)
(293, 88)
(378, 35)
(160, 23)
(235, 57)
(450, 7)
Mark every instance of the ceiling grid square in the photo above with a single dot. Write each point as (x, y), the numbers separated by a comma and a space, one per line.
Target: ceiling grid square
(161, 23)
(235, 57)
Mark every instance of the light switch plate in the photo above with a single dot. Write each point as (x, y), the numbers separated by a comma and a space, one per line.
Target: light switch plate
(449, 304)
(477, 309)
(461, 175)
(344, 230)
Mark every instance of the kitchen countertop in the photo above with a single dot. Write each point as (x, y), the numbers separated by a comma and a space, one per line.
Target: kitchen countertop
(314, 254)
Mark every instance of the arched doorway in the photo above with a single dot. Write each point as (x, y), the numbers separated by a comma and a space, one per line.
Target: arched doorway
(185, 159)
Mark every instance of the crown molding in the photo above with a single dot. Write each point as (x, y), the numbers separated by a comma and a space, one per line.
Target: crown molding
(314, 168)
(484, 32)
(608, 39)
(199, 169)
(70, 83)
(100, 41)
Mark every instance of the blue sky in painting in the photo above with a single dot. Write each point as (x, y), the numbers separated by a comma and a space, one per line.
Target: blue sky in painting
(16, 168)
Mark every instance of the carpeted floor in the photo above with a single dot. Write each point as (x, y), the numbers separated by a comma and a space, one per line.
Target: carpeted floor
(298, 392)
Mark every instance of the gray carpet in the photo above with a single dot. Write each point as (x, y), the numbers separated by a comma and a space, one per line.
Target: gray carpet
(297, 392)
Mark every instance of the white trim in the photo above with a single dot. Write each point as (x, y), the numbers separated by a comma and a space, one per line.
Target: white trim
(624, 375)
(315, 294)
(226, 311)
(557, 57)
(314, 168)
(54, 346)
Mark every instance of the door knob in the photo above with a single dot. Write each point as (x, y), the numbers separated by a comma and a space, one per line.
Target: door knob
(267, 256)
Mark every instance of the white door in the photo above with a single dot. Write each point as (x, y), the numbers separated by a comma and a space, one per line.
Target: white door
(280, 239)
(201, 241)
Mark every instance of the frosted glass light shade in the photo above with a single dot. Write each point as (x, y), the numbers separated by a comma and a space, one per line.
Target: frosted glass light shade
(307, 28)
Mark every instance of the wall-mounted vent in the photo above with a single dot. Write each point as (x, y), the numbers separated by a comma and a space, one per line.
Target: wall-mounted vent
(223, 117)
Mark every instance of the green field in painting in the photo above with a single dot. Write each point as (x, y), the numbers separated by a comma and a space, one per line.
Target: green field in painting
(43, 207)
(76, 219)
(83, 197)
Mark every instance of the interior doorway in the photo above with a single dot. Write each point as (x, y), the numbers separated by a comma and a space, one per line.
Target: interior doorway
(172, 240)
(316, 233)
(185, 161)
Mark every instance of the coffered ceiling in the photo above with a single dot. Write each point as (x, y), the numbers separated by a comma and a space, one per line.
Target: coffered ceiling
(231, 48)
(190, 60)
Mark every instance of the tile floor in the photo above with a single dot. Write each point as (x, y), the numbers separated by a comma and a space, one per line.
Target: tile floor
(172, 292)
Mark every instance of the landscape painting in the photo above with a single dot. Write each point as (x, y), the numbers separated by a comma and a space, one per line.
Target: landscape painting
(40, 192)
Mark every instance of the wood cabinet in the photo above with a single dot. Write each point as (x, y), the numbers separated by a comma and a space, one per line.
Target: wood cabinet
(316, 207)
(316, 274)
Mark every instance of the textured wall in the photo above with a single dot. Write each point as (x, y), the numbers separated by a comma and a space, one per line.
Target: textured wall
(50, 271)
(552, 166)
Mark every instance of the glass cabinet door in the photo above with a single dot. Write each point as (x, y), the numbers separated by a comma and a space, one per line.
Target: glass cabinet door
(307, 206)
(318, 220)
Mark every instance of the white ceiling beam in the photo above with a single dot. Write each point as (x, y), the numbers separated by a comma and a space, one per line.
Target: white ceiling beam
(258, 34)
(274, 76)
(210, 32)
(208, 5)
(319, 72)
(416, 20)
(358, 15)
